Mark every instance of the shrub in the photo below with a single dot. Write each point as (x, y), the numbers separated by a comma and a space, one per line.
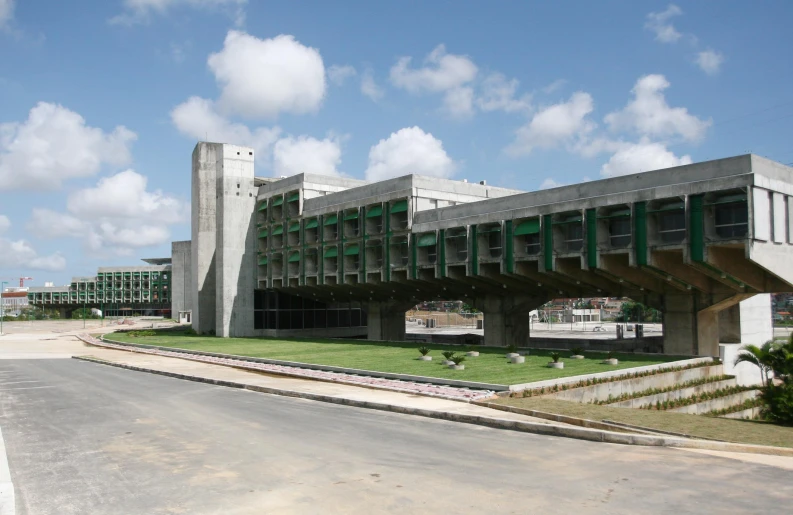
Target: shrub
(458, 358)
(448, 354)
(778, 403)
(424, 350)
(138, 334)
(555, 357)
(577, 351)
(610, 355)
(190, 332)
(512, 348)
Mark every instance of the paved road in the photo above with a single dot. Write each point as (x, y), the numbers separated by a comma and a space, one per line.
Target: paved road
(86, 438)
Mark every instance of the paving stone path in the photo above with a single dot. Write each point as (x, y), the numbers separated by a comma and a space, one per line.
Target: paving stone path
(431, 390)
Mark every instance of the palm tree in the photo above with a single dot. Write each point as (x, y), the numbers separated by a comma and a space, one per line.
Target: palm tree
(763, 357)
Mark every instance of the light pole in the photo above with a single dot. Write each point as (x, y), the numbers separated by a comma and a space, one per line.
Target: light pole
(2, 308)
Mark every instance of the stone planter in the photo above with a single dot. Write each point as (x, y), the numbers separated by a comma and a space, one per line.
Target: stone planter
(425, 358)
(447, 362)
(611, 361)
(558, 364)
(518, 359)
(472, 353)
(576, 356)
(512, 354)
(457, 367)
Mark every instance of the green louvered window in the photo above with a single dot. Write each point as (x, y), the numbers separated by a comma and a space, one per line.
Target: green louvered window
(279, 229)
(293, 197)
(331, 252)
(312, 224)
(374, 211)
(351, 250)
(399, 206)
(427, 240)
(352, 215)
(528, 227)
(331, 219)
(294, 226)
(277, 201)
(294, 257)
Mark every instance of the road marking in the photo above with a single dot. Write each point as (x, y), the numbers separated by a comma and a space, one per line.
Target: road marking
(24, 388)
(17, 382)
(7, 502)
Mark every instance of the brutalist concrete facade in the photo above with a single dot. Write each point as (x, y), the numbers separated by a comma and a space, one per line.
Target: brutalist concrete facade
(700, 242)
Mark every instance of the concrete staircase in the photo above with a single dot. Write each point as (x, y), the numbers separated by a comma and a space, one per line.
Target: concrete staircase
(704, 390)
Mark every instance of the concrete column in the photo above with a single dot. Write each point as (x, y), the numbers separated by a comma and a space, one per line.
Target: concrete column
(386, 321)
(680, 325)
(235, 249)
(730, 324)
(506, 319)
(749, 321)
(207, 158)
(181, 278)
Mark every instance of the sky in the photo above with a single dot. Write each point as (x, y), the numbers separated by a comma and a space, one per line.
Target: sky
(102, 102)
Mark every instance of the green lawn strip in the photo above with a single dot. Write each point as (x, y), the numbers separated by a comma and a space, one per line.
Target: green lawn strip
(729, 430)
(490, 367)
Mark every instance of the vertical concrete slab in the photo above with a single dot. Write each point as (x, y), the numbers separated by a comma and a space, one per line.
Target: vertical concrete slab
(780, 218)
(207, 159)
(181, 278)
(680, 325)
(761, 214)
(757, 325)
(235, 269)
(386, 321)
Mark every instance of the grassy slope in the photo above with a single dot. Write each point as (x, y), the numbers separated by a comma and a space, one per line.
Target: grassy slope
(742, 431)
(490, 367)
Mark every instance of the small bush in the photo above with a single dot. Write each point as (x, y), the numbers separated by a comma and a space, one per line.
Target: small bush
(424, 350)
(778, 403)
(138, 334)
(457, 359)
(555, 357)
(448, 354)
(511, 348)
(577, 351)
(190, 332)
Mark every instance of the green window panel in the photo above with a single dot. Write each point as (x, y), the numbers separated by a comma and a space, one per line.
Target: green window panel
(620, 213)
(263, 206)
(351, 216)
(399, 206)
(728, 199)
(672, 206)
(293, 196)
(294, 227)
(351, 250)
(294, 257)
(312, 224)
(374, 211)
(263, 233)
(572, 219)
(332, 252)
(492, 228)
(278, 229)
(331, 220)
(528, 227)
(427, 240)
(263, 260)
(277, 201)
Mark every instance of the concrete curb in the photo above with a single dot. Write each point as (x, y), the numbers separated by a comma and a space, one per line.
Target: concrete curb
(7, 499)
(580, 433)
(327, 368)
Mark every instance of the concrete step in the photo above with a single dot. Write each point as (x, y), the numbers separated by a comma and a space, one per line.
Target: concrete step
(681, 393)
(718, 403)
(745, 414)
(601, 392)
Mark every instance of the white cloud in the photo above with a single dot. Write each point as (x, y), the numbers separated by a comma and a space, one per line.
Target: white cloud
(441, 73)
(459, 102)
(551, 183)
(498, 94)
(642, 157)
(369, 87)
(338, 74)
(261, 78)
(710, 61)
(140, 11)
(5, 224)
(53, 145)
(649, 114)
(306, 155)
(198, 119)
(116, 216)
(409, 151)
(6, 12)
(554, 86)
(555, 125)
(20, 254)
(659, 23)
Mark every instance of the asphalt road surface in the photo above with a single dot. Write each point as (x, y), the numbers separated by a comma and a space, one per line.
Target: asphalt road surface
(84, 438)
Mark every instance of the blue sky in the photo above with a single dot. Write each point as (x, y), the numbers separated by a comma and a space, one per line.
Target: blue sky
(101, 102)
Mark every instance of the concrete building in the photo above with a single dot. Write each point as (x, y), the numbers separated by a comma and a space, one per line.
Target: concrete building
(117, 291)
(703, 243)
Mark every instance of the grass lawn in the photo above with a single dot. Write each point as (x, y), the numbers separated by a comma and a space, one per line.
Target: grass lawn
(490, 367)
(740, 431)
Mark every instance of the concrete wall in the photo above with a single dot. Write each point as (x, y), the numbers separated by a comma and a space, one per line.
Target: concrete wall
(181, 278)
(207, 159)
(757, 326)
(235, 250)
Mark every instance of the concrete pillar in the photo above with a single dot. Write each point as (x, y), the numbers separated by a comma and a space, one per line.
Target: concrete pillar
(207, 158)
(749, 321)
(730, 324)
(680, 325)
(386, 321)
(181, 278)
(507, 320)
(235, 249)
